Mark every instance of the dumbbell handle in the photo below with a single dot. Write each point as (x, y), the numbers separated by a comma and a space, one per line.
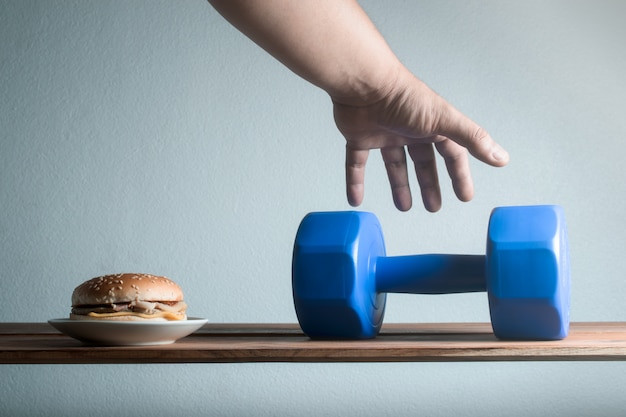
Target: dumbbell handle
(431, 274)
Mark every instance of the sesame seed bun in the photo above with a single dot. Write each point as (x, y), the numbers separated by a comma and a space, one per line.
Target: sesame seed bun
(122, 288)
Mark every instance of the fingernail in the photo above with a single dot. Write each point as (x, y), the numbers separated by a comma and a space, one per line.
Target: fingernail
(500, 154)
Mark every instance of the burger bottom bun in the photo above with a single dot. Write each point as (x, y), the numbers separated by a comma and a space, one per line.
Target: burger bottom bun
(119, 318)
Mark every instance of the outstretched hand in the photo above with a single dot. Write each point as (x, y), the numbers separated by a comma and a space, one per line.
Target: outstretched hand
(378, 103)
(410, 117)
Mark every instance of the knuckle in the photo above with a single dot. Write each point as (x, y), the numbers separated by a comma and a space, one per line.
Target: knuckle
(480, 137)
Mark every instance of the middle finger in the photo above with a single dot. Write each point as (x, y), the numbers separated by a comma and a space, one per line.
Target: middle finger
(423, 157)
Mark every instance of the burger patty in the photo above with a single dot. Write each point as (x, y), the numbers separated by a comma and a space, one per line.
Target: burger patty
(147, 307)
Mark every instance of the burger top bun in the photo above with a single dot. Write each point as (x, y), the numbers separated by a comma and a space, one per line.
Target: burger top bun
(123, 288)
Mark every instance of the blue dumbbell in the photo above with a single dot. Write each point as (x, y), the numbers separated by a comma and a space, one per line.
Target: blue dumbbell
(341, 274)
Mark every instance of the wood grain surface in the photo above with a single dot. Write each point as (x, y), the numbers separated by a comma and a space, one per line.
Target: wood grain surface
(39, 343)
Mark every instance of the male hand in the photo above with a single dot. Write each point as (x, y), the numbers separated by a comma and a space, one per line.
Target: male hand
(412, 118)
(378, 103)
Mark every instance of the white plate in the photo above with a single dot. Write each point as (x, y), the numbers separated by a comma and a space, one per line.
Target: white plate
(127, 333)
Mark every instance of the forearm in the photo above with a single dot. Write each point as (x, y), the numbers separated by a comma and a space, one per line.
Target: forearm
(331, 43)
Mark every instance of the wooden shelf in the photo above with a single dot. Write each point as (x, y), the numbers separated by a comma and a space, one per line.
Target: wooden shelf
(40, 343)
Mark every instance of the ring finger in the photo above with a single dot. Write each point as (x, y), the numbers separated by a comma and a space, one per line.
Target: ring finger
(395, 164)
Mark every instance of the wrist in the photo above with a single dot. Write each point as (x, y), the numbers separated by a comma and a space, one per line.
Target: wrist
(368, 87)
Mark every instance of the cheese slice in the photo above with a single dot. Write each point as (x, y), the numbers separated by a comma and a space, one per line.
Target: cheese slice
(164, 314)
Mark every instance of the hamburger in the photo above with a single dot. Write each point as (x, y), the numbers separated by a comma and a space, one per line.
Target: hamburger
(128, 297)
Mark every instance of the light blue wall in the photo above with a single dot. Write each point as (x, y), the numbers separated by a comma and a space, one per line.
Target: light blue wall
(152, 137)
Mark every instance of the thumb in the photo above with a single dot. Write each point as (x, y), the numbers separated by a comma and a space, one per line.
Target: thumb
(461, 129)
